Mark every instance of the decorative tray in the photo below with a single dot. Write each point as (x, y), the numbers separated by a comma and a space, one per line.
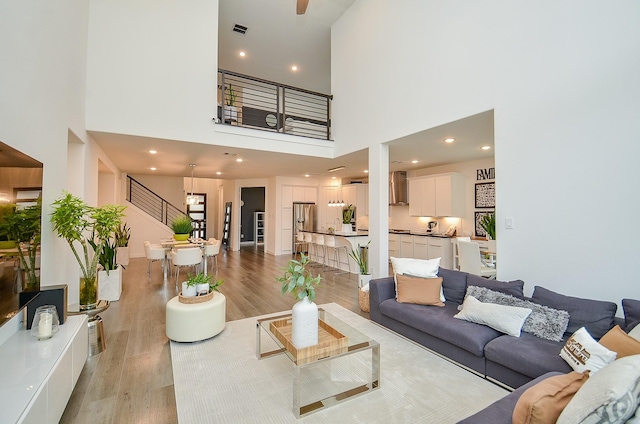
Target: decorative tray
(330, 341)
(195, 299)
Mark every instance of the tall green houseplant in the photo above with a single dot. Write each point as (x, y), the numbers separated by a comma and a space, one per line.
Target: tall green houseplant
(79, 223)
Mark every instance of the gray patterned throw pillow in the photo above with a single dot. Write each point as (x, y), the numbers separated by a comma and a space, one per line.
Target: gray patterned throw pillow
(544, 322)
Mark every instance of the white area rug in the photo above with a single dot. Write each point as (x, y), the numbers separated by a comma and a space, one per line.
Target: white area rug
(220, 381)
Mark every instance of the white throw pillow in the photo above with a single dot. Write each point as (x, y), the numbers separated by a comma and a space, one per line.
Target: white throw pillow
(425, 268)
(583, 353)
(506, 319)
(609, 396)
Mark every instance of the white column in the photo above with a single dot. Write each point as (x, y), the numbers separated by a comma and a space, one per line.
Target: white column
(379, 210)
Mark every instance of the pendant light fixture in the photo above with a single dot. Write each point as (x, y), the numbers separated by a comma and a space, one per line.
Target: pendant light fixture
(191, 199)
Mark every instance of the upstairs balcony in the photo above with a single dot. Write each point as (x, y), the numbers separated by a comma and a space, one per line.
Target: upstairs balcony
(252, 102)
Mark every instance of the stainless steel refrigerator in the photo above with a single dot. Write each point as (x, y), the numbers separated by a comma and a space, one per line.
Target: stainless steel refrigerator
(305, 218)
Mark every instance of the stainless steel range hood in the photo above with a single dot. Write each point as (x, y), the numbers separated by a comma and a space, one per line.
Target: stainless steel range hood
(398, 188)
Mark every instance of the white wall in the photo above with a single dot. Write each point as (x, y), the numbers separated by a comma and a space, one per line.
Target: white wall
(43, 49)
(562, 79)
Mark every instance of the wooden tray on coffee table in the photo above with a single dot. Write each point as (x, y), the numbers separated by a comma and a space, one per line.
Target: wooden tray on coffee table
(330, 341)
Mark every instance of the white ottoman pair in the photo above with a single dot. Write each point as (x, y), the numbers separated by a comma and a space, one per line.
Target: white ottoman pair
(191, 322)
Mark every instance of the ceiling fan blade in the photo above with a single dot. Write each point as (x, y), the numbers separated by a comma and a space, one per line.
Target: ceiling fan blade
(301, 6)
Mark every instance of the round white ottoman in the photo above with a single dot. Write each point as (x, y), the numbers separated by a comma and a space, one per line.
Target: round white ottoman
(191, 322)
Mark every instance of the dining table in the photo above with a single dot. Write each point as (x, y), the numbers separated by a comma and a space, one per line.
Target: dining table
(169, 243)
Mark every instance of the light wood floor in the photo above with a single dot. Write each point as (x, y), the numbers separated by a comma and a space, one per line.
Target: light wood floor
(132, 381)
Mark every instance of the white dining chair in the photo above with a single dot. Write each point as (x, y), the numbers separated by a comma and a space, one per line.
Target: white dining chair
(187, 256)
(210, 251)
(469, 254)
(154, 252)
(456, 259)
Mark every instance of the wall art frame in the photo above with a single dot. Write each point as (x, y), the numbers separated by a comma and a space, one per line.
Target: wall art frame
(485, 195)
(480, 232)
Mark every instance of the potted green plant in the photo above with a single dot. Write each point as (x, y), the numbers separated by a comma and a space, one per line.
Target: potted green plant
(23, 227)
(304, 316)
(76, 222)
(200, 284)
(231, 111)
(6, 209)
(488, 224)
(182, 228)
(361, 258)
(123, 234)
(347, 216)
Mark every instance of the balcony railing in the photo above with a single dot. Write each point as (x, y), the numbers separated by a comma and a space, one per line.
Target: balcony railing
(265, 105)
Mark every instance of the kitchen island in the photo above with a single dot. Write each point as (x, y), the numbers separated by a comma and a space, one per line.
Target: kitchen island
(351, 241)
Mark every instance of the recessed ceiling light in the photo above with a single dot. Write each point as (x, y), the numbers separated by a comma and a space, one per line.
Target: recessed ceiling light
(306, 175)
(449, 140)
(153, 168)
(366, 171)
(153, 152)
(294, 68)
(333, 178)
(239, 160)
(486, 147)
(218, 173)
(414, 161)
(242, 54)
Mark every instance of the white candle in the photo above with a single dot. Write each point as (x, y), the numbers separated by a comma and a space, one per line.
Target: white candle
(45, 329)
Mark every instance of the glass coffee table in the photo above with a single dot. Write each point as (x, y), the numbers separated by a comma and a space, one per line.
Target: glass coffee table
(327, 374)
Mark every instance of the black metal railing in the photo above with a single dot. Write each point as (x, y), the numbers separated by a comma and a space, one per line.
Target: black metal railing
(154, 205)
(265, 105)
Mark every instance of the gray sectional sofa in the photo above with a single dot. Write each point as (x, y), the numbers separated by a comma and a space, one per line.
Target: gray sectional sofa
(510, 361)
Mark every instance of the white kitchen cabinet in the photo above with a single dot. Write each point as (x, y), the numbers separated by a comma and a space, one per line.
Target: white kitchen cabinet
(420, 247)
(437, 195)
(394, 245)
(406, 245)
(310, 194)
(362, 200)
(349, 195)
(440, 248)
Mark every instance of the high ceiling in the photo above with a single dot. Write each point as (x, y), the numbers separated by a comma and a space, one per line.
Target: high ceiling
(10, 157)
(277, 38)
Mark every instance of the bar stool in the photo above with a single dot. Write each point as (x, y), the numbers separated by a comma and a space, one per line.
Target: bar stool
(330, 243)
(318, 240)
(299, 244)
(311, 247)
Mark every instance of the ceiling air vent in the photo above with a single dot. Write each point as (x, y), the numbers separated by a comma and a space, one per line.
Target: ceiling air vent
(240, 28)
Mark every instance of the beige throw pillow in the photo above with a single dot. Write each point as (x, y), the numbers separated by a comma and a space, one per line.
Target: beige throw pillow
(544, 402)
(620, 342)
(421, 291)
(426, 268)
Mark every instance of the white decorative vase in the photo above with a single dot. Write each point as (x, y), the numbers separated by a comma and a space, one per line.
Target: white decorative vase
(304, 324)
(230, 114)
(363, 280)
(188, 291)
(202, 288)
(346, 228)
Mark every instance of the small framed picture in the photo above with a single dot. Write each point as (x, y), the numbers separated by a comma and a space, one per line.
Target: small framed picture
(486, 195)
(480, 232)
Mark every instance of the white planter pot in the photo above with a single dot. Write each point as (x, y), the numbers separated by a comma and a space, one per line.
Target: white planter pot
(230, 113)
(346, 228)
(491, 246)
(304, 324)
(202, 288)
(188, 291)
(363, 280)
(110, 286)
(122, 255)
